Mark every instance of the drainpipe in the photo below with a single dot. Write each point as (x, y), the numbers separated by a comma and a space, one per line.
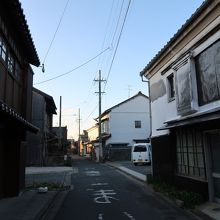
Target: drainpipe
(150, 116)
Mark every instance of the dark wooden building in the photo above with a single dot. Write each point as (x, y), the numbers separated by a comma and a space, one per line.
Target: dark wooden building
(43, 108)
(17, 52)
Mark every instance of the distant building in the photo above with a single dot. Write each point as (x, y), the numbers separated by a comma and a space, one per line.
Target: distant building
(17, 52)
(123, 125)
(61, 139)
(43, 108)
(92, 141)
(83, 143)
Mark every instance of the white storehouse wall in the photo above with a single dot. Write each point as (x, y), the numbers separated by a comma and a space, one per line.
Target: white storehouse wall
(162, 109)
(122, 121)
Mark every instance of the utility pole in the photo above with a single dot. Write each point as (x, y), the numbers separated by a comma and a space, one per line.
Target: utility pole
(79, 134)
(100, 80)
(60, 133)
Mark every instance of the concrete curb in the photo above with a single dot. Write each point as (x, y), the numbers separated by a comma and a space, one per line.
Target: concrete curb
(133, 173)
(53, 203)
(194, 213)
(53, 207)
(130, 172)
(202, 215)
(28, 206)
(44, 209)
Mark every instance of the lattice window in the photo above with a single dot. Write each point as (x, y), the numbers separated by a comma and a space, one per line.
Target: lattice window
(190, 153)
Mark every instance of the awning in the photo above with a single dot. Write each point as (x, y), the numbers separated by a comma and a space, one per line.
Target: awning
(105, 137)
(192, 119)
(13, 115)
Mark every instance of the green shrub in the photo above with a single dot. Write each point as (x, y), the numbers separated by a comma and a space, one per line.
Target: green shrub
(190, 199)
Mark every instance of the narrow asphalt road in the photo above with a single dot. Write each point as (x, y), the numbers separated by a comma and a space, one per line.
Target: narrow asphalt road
(101, 192)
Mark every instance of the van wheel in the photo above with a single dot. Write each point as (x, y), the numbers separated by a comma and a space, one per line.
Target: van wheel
(135, 164)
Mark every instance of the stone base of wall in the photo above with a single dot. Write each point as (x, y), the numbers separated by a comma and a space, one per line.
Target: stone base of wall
(192, 185)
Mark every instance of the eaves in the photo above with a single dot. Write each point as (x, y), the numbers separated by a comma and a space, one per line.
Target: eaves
(11, 115)
(167, 49)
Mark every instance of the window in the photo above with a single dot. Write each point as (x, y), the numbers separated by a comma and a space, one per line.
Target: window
(17, 70)
(190, 153)
(137, 124)
(140, 148)
(171, 87)
(105, 126)
(2, 49)
(208, 74)
(11, 63)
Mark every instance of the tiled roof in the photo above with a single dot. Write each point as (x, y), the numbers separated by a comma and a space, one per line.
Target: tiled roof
(49, 99)
(178, 33)
(12, 13)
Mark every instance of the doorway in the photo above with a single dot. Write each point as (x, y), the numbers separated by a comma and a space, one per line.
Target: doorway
(213, 170)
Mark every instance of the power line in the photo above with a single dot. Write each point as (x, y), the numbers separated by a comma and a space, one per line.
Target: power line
(70, 71)
(112, 41)
(61, 18)
(104, 40)
(118, 42)
(116, 28)
(113, 38)
(92, 112)
(107, 24)
(116, 45)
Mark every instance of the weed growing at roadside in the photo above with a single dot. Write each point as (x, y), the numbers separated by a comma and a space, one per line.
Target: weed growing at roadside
(190, 199)
(50, 186)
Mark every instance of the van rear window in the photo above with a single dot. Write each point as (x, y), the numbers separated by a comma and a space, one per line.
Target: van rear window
(140, 148)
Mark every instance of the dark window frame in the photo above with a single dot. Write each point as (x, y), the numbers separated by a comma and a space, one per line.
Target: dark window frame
(137, 124)
(3, 49)
(11, 63)
(171, 87)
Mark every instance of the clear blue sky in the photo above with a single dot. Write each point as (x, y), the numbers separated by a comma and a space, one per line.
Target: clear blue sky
(87, 28)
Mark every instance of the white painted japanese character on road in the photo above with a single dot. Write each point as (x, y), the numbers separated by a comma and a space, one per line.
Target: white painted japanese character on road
(92, 173)
(104, 196)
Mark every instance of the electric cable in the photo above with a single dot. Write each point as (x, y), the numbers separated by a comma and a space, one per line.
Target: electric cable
(113, 38)
(70, 71)
(92, 112)
(117, 44)
(115, 31)
(103, 43)
(112, 41)
(61, 18)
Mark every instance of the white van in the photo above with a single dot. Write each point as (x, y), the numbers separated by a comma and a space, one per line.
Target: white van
(141, 153)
